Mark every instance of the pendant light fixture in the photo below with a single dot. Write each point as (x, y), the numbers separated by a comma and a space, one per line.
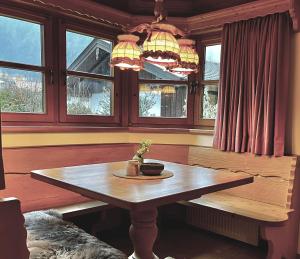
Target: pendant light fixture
(160, 46)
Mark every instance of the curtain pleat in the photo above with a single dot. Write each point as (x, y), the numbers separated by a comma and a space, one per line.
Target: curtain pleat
(253, 94)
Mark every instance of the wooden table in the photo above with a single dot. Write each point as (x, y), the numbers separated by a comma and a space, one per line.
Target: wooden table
(141, 197)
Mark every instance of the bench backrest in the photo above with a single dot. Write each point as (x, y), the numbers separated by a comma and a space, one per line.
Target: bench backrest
(274, 177)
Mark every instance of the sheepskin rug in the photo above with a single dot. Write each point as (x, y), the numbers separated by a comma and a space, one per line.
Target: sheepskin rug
(50, 237)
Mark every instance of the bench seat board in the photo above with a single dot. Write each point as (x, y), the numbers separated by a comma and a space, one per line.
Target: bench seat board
(82, 208)
(260, 211)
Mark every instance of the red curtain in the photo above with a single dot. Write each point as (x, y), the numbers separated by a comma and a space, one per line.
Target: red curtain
(2, 182)
(253, 95)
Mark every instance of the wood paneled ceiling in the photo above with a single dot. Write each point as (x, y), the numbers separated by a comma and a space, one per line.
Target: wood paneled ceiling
(176, 8)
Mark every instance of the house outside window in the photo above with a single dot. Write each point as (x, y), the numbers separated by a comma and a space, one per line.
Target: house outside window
(89, 92)
(160, 97)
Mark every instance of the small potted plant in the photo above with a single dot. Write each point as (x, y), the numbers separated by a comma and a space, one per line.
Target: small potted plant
(144, 147)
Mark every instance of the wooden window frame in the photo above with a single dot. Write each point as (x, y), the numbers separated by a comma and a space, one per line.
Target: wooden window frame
(63, 116)
(136, 120)
(201, 45)
(46, 68)
(126, 98)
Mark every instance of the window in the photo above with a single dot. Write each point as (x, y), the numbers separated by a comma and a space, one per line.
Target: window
(210, 82)
(162, 96)
(207, 83)
(90, 90)
(56, 70)
(23, 69)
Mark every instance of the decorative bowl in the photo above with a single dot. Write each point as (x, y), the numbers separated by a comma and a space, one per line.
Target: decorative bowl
(151, 169)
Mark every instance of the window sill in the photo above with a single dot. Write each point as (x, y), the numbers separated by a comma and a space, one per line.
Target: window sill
(77, 129)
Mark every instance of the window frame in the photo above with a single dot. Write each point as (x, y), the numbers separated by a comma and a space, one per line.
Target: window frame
(136, 120)
(46, 68)
(63, 116)
(201, 46)
(126, 84)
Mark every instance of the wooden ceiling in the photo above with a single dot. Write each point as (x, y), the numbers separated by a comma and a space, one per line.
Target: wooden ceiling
(176, 8)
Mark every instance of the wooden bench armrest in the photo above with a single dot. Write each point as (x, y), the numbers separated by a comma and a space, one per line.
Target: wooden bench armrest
(260, 211)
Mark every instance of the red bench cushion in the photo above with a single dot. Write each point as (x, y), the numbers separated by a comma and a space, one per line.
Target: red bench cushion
(37, 195)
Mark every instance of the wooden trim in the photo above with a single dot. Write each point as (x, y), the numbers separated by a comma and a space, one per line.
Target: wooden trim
(89, 75)
(84, 10)
(161, 81)
(217, 19)
(13, 11)
(20, 66)
(198, 24)
(54, 129)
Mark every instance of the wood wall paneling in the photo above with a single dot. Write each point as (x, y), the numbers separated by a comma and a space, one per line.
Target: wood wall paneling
(23, 160)
(170, 153)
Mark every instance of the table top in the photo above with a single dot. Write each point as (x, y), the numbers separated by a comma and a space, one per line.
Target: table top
(98, 182)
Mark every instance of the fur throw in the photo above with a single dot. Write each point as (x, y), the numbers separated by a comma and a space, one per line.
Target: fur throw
(50, 237)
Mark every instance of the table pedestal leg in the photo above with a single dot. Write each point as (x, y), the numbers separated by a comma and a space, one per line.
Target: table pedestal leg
(143, 233)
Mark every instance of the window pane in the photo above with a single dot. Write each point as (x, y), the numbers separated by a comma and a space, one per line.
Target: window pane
(21, 91)
(20, 41)
(89, 96)
(158, 100)
(210, 100)
(88, 54)
(156, 72)
(212, 62)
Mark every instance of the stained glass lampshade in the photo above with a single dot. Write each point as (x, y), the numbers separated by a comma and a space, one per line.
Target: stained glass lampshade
(161, 47)
(189, 59)
(126, 54)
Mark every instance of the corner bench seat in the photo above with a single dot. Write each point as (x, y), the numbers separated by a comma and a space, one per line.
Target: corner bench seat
(268, 208)
(49, 236)
(35, 195)
(260, 211)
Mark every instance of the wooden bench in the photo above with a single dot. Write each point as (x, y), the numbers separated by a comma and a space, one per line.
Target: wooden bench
(268, 208)
(80, 209)
(36, 195)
